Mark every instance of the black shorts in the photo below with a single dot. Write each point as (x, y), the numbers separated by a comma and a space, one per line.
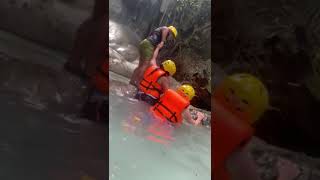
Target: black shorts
(145, 97)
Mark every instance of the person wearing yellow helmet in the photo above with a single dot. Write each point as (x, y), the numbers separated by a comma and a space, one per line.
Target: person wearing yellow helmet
(173, 106)
(238, 102)
(155, 80)
(157, 37)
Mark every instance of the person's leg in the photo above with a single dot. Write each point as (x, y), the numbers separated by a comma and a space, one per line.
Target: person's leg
(133, 80)
(146, 51)
(140, 72)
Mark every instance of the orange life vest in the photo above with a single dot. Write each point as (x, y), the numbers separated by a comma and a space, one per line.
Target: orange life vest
(229, 133)
(149, 84)
(170, 107)
(101, 78)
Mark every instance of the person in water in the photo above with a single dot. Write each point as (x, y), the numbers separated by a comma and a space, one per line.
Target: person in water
(173, 106)
(155, 79)
(238, 102)
(90, 43)
(96, 107)
(147, 46)
(166, 115)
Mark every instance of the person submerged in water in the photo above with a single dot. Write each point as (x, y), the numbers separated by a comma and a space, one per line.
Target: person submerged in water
(157, 38)
(173, 106)
(155, 79)
(166, 115)
(96, 107)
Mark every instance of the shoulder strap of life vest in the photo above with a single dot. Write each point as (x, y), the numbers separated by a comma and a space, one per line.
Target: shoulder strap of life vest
(173, 118)
(150, 85)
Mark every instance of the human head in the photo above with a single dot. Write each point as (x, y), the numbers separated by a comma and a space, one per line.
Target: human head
(174, 31)
(169, 66)
(187, 90)
(244, 95)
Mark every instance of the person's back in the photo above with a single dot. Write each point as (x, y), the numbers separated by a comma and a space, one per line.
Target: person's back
(170, 106)
(173, 106)
(155, 37)
(155, 81)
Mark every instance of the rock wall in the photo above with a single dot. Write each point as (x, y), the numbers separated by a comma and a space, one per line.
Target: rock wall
(267, 156)
(192, 52)
(41, 87)
(49, 22)
(276, 41)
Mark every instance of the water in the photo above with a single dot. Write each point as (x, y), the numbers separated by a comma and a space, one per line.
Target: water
(39, 138)
(37, 144)
(133, 156)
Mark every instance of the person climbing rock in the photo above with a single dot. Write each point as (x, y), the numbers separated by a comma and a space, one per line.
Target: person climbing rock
(96, 107)
(238, 103)
(173, 105)
(155, 79)
(90, 43)
(159, 36)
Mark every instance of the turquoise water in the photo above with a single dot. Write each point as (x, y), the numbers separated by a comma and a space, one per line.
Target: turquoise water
(134, 157)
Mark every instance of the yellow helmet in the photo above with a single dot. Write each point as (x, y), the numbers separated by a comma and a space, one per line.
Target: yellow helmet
(244, 95)
(169, 66)
(174, 31)
(187, 90)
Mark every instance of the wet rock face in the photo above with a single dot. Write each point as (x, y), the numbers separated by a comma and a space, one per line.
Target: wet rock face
(119, 64)
(123, 52)
(267, 156)
(192, 53)
(275, 41)
(49, 22)
(117, 10)
(192, 68)
(191, 18)
(196, 71)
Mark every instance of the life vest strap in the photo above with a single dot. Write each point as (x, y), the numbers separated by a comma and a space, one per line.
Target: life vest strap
(173, 116)
(150, 86)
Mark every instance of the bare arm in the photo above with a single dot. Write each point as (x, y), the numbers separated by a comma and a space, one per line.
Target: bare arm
(165, 33)
(188, 116)
(153, 60)
(164, 82)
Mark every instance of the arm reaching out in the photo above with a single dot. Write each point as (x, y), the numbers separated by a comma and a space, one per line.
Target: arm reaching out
(200, 117)
(164, 82)
(153, 60)
(165, 33)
